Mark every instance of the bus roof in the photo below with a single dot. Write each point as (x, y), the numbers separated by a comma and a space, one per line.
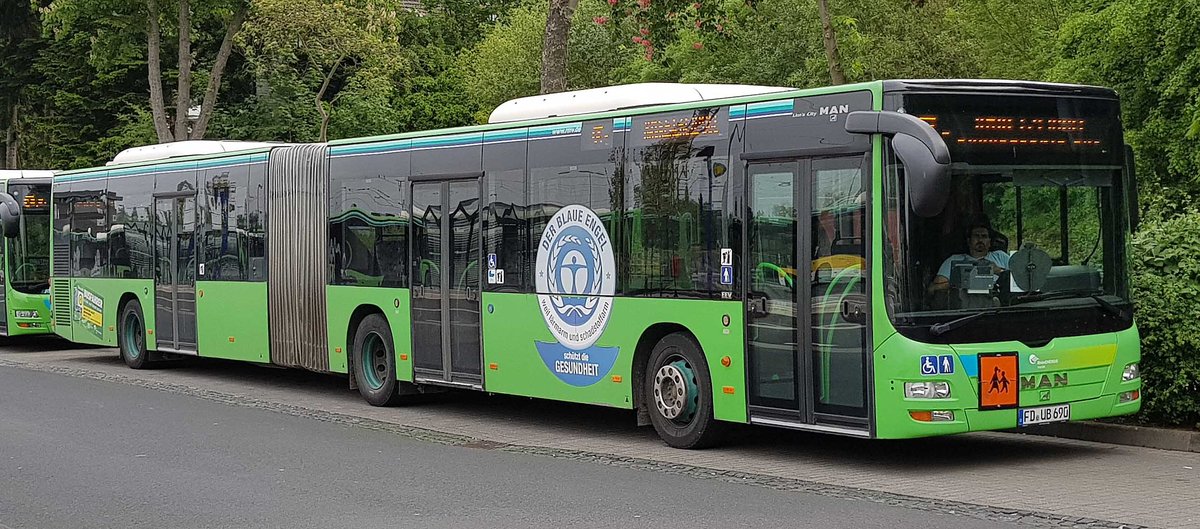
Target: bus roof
(592, 100)
(10, 174)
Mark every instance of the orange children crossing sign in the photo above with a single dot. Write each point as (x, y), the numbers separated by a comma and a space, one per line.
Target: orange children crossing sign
(998, 381)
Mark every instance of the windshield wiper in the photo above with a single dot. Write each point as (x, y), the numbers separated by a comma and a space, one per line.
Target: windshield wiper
(1109, 307)
(1104, 304)
(939, 329)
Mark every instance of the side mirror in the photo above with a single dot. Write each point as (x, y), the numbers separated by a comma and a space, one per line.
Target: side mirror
(919, 147)
(10, 215)
(1131, 186)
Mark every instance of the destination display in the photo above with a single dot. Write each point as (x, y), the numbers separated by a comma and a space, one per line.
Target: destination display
(1022, 130)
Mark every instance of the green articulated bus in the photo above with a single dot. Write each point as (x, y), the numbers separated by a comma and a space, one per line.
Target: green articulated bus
(891, 259)
(25, 273)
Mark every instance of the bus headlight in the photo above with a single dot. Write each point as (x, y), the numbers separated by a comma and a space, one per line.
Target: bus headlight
(1131, 372)
(927, 390)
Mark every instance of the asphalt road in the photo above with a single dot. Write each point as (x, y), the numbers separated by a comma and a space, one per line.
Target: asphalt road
(77, 452)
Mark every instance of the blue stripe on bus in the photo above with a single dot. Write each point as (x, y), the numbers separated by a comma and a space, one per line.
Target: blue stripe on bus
(970, 364)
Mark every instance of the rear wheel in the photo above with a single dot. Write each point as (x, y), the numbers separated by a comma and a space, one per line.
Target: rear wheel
(131, 336)
(678, 393)
(374, 359)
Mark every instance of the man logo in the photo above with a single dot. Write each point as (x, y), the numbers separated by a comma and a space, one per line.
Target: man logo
(1044, 381)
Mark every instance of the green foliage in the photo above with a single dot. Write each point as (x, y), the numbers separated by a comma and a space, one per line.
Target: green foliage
(1166, 281)
(779, 43)
(1149, 51)
(505, 64)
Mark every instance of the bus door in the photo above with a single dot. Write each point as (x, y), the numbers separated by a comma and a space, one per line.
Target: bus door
(175, 272)
(806, 293)
(445, 281)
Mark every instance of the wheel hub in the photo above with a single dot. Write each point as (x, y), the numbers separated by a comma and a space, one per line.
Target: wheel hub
(675, 391)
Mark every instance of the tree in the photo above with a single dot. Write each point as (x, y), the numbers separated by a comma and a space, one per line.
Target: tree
(340, 51)
(19, 41)
(831, 48)
(1148, 52)
(505, 63)
(121, 18)
(554, 45)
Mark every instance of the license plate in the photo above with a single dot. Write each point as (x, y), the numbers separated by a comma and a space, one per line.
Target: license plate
(1045, 414)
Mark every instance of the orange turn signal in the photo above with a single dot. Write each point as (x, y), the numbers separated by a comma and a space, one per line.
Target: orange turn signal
(923, 416)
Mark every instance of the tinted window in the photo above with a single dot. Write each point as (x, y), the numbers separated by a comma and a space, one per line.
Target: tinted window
(368, 220)
(129, 237)
(678, 191)
(223, 215)
(255, 224)
(506, 227)
(561, 173)
(62, 200)
(447, 155)
(89, 228)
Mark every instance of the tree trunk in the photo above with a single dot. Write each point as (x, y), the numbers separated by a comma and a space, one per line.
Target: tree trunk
(158, 109)
(554, 45)
(321, 95)
(831, 49)
(183, 96)
(12, 140)
(218, 69)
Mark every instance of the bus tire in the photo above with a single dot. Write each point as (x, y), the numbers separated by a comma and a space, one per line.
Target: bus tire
(678, 393)
(131, 336)
(374, 359)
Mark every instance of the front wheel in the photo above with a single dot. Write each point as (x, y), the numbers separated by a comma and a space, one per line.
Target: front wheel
(678, 393)
(374, 360)
(131, 339)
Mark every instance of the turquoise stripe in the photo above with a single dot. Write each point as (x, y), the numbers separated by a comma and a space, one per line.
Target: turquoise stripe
(548, 131)
(505, 135)
(448, 141)
(770, 107)
(176, 166)
(387, 146)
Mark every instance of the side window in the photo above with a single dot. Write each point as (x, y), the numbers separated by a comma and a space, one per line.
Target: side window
(369, 220)
(62, 200)
(675, 219)
(89, 229)
(562, 173)
(129, 236)
(506, 227)
(253, 223)
(225, 243)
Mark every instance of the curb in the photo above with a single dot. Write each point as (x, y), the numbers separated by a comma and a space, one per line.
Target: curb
(1144, 436)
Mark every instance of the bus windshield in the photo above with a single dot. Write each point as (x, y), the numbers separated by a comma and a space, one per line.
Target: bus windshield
(1035, 223)
(29, 251)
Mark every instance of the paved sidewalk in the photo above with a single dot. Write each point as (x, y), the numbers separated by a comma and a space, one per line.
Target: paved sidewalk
(1132, 485)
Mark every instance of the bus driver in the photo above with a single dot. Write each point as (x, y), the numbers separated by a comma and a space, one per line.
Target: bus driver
(979, 244)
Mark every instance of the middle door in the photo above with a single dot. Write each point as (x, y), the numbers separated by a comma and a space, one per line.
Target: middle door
(445, 289)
